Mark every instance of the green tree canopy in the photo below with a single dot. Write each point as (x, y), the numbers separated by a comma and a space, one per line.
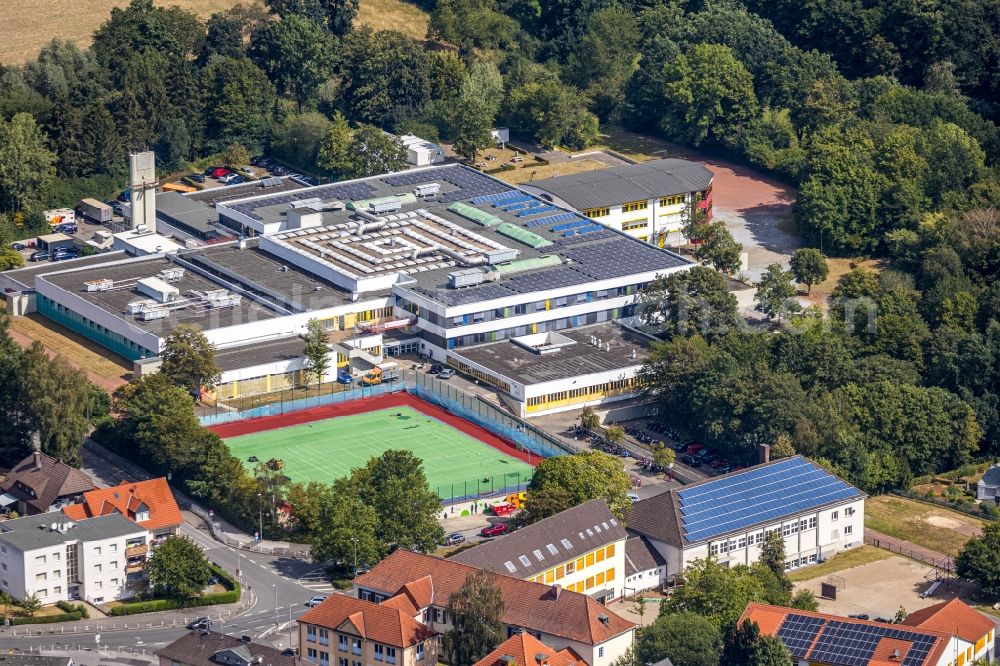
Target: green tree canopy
(775, 293)
(316, 350)
(178, 568)
(716, 592)
(688, 639)
(26, 163)
(809, 267)
(57, 397)
(296, 53)
(189, 360)
(583, 476)
(689, 302)
(476, 610)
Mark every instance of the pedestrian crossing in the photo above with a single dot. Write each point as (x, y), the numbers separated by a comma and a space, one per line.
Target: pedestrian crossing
(317, 581)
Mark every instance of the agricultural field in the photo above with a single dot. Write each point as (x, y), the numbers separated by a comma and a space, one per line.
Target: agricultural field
(30, 24)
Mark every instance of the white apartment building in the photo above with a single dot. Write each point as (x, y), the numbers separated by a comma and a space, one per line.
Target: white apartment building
(581, 549)
(727, 517)
(57, 559)
(648, 200)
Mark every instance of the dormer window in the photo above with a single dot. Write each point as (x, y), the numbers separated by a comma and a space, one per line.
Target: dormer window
(142, 515)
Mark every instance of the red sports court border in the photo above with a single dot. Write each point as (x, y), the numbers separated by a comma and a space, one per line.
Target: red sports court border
(364, 405)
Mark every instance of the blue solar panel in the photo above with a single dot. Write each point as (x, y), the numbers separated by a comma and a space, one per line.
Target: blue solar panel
(535, 223)
(517, 198)
(569, 225)
(518, 205)
(853, 643)
(758, 495)
(537, 210)
(798, 632)
(589, 228)
(494, 198)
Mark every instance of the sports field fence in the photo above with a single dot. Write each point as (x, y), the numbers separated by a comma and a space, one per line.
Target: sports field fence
(525, 436)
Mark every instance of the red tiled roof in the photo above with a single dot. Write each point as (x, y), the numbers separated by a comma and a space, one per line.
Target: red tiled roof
(377, 622)
(127, 498)
(771, 618)
(525, 648)
(952, 617)
(530, 605)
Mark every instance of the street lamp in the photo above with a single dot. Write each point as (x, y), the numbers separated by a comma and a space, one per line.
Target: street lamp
(260, 505)
(354, 540)
(275, 604)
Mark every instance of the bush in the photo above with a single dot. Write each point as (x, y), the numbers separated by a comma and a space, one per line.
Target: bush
(343, 583)
(73, 608)
(230, 596)
(50, 619)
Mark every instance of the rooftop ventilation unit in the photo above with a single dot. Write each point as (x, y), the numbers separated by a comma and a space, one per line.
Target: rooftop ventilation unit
(157, 289)
(465, 278)
(427, 189)
(311, 202)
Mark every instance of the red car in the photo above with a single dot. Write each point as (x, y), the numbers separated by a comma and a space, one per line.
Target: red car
(694, 448)
(219, 172)
(494, 530)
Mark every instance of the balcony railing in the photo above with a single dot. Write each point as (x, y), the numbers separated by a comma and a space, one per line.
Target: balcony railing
(136, 550)
(134, 568)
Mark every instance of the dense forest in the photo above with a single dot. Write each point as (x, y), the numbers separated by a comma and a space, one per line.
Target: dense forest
(881, 112)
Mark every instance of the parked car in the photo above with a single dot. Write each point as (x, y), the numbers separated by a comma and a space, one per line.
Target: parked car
(503, 509)
(219, 172)
(197, 177)
(228, 178)
(725, 467)
(694, 447)
(435, 369)
(67, 228)
(19, 246)
(247, 170)
(238, 179)
(39, 255)
(690, 461)
(344, 377)
(117, 207)
(199, 623)
(447, 373)
(315, 601)
(633, 496)
(706, 455)
(278, 170)
(62, 254)
(718, 462)
(309, 180)
(454, 539)
(494, 530)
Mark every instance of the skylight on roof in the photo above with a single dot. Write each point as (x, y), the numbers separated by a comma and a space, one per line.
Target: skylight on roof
(552, 549)
(606, 526)
(524, 560)
(614, 522)
(510, 566)
(566, 542)
(590, 532)
(538, 554)
(581, 534)
(597, 528)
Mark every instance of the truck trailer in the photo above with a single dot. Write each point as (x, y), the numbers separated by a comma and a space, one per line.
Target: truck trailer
(95, 211)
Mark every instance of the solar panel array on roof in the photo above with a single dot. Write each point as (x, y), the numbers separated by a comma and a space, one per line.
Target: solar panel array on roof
(508, 200)
(471, 184)
(553, 278)
(586, 229)
(537, 210)
(579, 222)
(496, 198)
(619, 257)
(847, 643)
(345, 191)
(576, 240)
(767, 493)
(798, 632)
(481, 292)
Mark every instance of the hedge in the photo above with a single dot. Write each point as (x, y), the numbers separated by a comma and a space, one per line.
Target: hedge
(50, 619)
(230, 596)
(73, 608)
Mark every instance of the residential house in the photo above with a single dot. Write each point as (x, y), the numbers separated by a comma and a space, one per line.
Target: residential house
(988, 487)
(347, 631)
(208, 648)
(581, 548)
(56, 559)
(526, 650)
(645, 568)
(40, 483)
(831, 640)
(649, 200)
(973, 633)
(422, 585)
(149, 503)
(726, 517)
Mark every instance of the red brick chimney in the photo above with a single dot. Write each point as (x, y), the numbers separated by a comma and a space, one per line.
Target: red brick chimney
(764, 453)
(38, 459)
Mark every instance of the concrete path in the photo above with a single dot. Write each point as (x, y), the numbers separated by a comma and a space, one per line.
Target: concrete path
(905, 548)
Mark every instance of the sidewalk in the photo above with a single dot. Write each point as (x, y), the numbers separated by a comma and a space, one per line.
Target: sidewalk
(906, 548)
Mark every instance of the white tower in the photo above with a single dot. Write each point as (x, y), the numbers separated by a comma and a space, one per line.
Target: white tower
(142, 181)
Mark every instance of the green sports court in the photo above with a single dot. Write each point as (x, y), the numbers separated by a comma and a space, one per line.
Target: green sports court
(456, 460)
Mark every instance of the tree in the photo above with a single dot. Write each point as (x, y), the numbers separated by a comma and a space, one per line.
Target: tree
(295, 53)
(696, 301)
(582, 476)
(589, 418)
(335, 154)
(189, 360)
(236, 156)
(804, 599)
(615, 434)
(299, 137)
(56, 397)
(716, 592)
(26, 163)
(10, 258)
(605, 58)
(31, 605)
(900, 615)
(475, 110)
(782, 447)
(342, 528)
(476, 610)
(316, 351)
(771, 651)
(979, 560)
(686, 638)
(470, 24)
(243, 102)
(708, 94)
(6, 601)
(809, 267)
(714, 245)
(664, 456)
(375, 152)
(775, 293)
(340, 15)
(178, 569)
(395, 487)
(551, 112)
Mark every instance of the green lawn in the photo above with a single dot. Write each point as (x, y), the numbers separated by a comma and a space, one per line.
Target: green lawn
(930, 526)
(454, 462)
(854, 557)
